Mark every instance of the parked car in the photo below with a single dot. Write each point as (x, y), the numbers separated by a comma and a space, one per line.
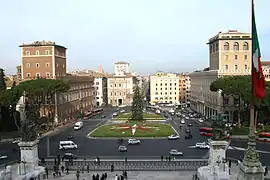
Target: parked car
(174, 152)
(189, 124)
(134, 141)
(188, 130)
(122, 149)
(173, 137)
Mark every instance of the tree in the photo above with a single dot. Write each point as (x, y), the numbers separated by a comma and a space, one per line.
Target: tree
(137, 105)
(239, 87)
(2, 80)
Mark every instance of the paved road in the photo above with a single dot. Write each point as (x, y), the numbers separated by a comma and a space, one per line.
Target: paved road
(149, 148)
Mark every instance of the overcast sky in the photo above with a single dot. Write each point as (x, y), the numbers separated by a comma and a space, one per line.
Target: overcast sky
(168, 35)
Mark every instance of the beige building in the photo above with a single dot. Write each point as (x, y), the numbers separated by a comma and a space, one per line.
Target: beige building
(229, 55)
(164, 88)
(120, 85)
(184, 88)
(266, 70)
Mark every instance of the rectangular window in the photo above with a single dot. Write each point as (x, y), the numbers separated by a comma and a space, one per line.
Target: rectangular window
(47, 52)
(37, 52)
(245, 57)
(226, 57)
(226, 67)
(37, 74)
(246, 66)
(235, 57)
(235, 67)
(47, 65)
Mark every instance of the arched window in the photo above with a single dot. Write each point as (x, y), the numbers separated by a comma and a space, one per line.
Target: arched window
(236, 46)
(245, 46)
(226, 46)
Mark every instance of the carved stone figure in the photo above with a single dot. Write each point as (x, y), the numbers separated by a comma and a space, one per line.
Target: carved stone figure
(218, 127)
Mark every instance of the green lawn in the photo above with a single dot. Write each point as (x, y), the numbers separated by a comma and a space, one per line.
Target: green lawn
(124, 130)
(146, 115)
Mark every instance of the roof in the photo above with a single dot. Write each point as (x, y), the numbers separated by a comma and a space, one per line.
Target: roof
(121, 62)
(42, 43)
(75, 79)
(265, 63)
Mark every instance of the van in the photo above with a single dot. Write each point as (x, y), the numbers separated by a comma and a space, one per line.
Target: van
(78, 125)
(67, 145)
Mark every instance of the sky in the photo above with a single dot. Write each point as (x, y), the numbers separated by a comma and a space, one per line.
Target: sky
(153, 35)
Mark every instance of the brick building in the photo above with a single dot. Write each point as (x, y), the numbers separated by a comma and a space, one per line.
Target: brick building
(42, 59)
(45, 59)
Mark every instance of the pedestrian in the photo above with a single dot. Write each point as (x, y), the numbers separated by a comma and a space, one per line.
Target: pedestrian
(54, 175)
(196, 176)
(126, 174)
(59, 173)
(116, 177)
(67, 170)
(62, 168)
(166, 158)
(112, 168)
(121, 177)
(97, 177)
(126, 159)
(93, 177)
(266, 171)
(169, 158)
(88, 168)
(105, 175)
(161, 158)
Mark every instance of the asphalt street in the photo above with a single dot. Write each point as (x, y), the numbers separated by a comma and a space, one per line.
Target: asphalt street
(149, 148)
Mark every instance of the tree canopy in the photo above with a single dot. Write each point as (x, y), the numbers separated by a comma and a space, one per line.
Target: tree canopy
(39, 92)
(137, 104)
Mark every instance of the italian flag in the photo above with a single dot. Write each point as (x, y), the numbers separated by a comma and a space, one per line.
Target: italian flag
(257, 73)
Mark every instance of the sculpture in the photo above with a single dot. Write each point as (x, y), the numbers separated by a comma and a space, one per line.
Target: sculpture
(218, 125)
(28, 128)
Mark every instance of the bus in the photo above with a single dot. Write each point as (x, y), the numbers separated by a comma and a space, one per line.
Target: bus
(97, 111)
(206, 131)
(263, 137)
(88, 115)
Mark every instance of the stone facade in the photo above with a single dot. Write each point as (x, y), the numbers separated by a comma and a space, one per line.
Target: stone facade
(100, 91)
(120, 89)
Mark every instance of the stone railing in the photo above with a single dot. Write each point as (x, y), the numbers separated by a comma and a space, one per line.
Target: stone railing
(131, 165)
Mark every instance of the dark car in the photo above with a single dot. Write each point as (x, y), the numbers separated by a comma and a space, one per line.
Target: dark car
(188, 136)
(69, 156)
(70, 137)
(188, 130)
(103, 116)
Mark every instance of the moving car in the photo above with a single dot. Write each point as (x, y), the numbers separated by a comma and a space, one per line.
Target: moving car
(134, 141)
(202, 145)
(70, 137)
(69, 156)
(103, 116)
(182, 122)
(173, 137)
(188, 136)
(122, 149)
(78, 125)
(200, 120)
(122, 111)
(67, 145)
(174, 152)
(188, 130)
(2, 157)
(190, 124)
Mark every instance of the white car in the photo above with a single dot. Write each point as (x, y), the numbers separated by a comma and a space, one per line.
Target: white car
(174, 152)
(173, 137)
(183, 122)
(134, 141)
(202, 145)
(200, 120)
(78, 125)
(122, 111)
(2, 157)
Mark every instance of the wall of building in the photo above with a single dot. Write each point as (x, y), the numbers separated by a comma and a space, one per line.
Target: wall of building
(120, 90)
(164, 88)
